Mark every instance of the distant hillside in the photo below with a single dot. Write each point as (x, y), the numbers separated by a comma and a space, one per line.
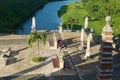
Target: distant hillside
(14, 12)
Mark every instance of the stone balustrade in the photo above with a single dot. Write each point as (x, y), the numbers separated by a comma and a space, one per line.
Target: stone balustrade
(4, 53)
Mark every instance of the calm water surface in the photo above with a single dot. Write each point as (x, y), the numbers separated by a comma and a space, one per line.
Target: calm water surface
(46, 18)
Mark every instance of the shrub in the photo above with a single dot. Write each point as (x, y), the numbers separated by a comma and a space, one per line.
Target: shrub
(38, 59)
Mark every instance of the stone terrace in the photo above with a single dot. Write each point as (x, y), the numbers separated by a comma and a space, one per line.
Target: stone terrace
(20, 62)
(87, 68)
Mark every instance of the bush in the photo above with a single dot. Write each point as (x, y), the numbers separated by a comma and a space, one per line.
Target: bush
(38, 59)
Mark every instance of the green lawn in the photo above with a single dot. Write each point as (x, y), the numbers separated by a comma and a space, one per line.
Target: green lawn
(77, 11)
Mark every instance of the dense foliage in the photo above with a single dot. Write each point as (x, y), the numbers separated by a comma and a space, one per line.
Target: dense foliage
(99, 9)
(96, 10)
(14, 12)
(102, 8)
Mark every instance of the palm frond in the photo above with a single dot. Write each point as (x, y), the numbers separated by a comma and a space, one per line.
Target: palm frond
(35, 36)
(43, 38)
(32, 38)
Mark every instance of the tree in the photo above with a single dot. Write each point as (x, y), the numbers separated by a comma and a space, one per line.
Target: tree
(37, 37)
(98, 9)
(72, 21)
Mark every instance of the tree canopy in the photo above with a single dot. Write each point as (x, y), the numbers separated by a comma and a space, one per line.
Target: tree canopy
(14, 12)
(99, 9)
(102, 8)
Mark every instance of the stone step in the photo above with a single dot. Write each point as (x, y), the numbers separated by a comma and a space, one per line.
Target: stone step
(12, 41)
(64, 77)
(27, 77)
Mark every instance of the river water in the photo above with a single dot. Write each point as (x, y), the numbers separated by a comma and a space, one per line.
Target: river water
(46, 18)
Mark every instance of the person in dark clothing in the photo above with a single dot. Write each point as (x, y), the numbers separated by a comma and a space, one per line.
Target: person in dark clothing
(60, 44)
(117, 48)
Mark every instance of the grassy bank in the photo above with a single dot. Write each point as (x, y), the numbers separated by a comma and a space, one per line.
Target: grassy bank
(14, 12)
(77, 11)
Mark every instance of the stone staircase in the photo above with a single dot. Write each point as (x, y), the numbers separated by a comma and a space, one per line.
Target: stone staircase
(13, 41)
(64, 77)
(42, 77)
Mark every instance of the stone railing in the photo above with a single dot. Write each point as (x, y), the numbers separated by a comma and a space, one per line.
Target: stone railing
(58, 30)
(4, 53)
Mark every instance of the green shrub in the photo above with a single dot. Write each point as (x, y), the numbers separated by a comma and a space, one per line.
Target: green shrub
(38, 59)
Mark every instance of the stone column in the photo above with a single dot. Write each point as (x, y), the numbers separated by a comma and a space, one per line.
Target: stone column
(87, 55)
(61, 60)
(86, 23)
(85, 28)
(60, 28)
(83, 34)
(55, 40)
(91, 34)
(104, 67)
(33, 27)
(82, 39)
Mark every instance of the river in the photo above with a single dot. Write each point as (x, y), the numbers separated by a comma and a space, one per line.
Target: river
(46, 18)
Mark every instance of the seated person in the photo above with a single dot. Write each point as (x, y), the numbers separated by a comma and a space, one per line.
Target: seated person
(60, 44)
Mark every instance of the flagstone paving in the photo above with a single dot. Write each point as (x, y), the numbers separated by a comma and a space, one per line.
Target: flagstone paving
(87, 68)
(20, 61)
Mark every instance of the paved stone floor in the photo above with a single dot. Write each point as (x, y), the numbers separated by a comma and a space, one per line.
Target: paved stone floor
(20, 61)
(87, 68)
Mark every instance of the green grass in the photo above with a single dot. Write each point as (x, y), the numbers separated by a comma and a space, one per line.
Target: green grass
(38, 59)
(77, 11)
(73, 10)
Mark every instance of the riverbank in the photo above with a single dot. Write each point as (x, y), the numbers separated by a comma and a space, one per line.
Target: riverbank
(14, 13)
(46, 18)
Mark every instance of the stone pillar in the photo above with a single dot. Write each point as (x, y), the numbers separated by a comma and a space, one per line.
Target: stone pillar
(60, 28)
(87, 55)
(61, 62)
(91, 34)
(104, 67)
(85, 29)
(33, 27)
(86, 23)
(82, 39)
(83, 34)
(61, 55)
(55, 40)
